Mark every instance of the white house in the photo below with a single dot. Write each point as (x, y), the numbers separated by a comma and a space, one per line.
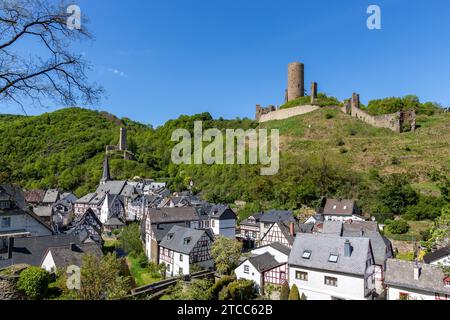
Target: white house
(182, 247)
(223, 221)
(267, 265)
(327, 267)
(59, 258)
(15, 218)
(407, 280)
(438, 257)
(340, 210)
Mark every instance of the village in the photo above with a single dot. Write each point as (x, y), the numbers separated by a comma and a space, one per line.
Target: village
(335, 253)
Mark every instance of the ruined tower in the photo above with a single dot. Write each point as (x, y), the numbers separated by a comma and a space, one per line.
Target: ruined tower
(123, 139)
(313, 92)
(296, 81)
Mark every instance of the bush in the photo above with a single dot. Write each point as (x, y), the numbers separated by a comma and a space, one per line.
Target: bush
(33, 282)
(294, 294)
(239, 290)
(222, 283)
(143, 260)
(398, 226)
(130, 239)
(285, 291)
(303, 297)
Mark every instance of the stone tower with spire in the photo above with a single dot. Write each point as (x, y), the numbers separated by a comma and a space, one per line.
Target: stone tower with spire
(106, 175)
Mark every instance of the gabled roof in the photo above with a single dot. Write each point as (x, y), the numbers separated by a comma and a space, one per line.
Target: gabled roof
(43, 212)
(436, 255)
(68, 255)
(34, 196)
(345, 207)
(170, 215)
(31, 250)
(161, 230)
(321, 246)
(264, 262)
(332, 228)
(273, 216)
(182, 239)
(401, 274)
(51, 196)
(279, 247)
(111, 187)
(86, 199)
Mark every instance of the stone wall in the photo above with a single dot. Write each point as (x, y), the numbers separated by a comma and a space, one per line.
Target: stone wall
(286, 113)
(398, 121)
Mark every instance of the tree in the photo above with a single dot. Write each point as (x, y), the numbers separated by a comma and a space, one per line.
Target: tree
(294, 294)
(285, 291)
(397, 194)
(397, 226)
(226, 253)
(239, 290)
(440, 233)
(101, 279)
(220, 284)
(303, 297)
(50, 71)
(33, 282)
(130, 239)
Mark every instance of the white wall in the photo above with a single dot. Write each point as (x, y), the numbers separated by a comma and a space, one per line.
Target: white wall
(287, 113)
(394, 294)
(177, 264)
(48, 263)
(342, 218)
(253, 274)
(27, 223)
(348, 287)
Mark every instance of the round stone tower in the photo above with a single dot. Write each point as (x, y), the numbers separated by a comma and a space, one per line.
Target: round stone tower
(296, 81)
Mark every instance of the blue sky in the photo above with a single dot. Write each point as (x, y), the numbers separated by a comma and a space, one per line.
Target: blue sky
(160, 59)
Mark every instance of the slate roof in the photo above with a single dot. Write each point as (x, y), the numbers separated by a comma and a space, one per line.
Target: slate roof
(401, 274)
(13, 193)
(86, 199)
(31, 250)
(68, 255)
(436, 255)
(45, 212)
(114, 222)
(340, 207)
(264, 262)
(179, 234)
(51, 196)
(277, 215)
(280, 247)
(170, 215)
(332, 227)
(321, 246)
(161, 230)
(113, 187)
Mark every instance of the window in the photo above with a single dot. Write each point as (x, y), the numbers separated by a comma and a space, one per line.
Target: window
(4, 205)
(181, 257)
(306, 254)
(187, 241)
(246, 269)
(333, 258)
(403, 296)
(299, 275)
(334, 207)
(254, 234)
(170, 236)
(330, 281)
(6, 222)
(213, 223)
(180, 271)
(267, 225)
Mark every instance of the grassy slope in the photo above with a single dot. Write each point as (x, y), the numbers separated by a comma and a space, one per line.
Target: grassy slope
(368, 147)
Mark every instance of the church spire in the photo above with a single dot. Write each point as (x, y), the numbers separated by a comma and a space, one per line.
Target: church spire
(106, 176)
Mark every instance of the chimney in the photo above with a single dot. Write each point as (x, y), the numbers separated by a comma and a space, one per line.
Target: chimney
(292, 229)
(10, 247)
(347, 248)
(417, 271)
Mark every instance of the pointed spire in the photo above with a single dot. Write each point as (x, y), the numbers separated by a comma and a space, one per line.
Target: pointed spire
(106, 176)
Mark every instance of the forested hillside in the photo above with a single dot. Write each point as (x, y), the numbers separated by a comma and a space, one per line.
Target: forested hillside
(324, 153)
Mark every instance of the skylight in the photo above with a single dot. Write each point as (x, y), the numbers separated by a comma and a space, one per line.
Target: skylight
(333, 258)
(306, 254)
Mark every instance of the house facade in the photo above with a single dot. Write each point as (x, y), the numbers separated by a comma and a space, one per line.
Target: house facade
(340, 210)
(326, 267)
(182, 247)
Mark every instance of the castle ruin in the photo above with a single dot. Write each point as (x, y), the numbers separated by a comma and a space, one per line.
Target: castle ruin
(401, 121)
(122, 146)
(296, 81)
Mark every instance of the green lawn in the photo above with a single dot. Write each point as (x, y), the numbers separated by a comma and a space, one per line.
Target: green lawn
(415, 228)
(142, 276)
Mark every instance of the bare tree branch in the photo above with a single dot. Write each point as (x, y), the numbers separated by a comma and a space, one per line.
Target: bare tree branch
(55, 73)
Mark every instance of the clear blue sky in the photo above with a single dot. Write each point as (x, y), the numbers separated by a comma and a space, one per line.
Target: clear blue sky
(160, 59)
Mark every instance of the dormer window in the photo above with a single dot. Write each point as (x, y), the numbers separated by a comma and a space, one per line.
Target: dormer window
(345, 207)
(333, 258)
(306, 254)
(334, 207)
(187, 241)
(170, 236)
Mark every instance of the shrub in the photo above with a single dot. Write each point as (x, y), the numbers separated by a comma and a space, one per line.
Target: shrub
(398, 226)
(285, 291)
(33, 282)
(340, 142)
(241, 289)
(294, 294)
(303, 297)
(222, 283)
(143, 260)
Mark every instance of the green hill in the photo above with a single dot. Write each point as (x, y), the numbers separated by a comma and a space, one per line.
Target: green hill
(324, 153)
